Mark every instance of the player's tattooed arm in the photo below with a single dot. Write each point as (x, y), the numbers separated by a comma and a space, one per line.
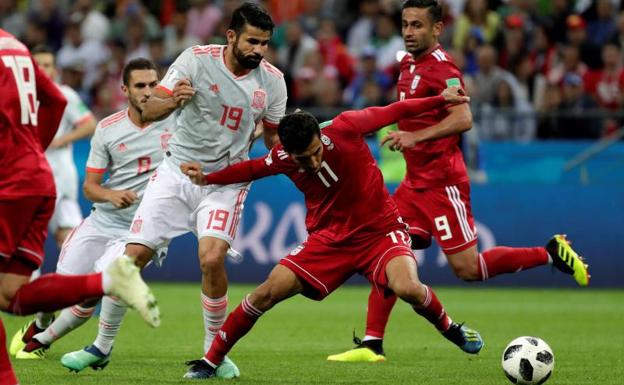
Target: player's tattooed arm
(163, 103)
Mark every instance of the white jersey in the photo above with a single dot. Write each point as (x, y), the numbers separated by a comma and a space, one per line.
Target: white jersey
(216, 126)
(129, 154)
(62, 159)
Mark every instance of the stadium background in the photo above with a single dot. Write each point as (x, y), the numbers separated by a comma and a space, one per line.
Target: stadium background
(545, 78)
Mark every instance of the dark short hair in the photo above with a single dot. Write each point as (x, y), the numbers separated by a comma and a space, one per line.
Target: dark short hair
(140, 63)
(41, 48)
(434, 8)
(297, 130)
(251, 14)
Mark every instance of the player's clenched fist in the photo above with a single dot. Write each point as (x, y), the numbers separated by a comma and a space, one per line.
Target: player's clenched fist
(183, 91)
(122, 199)
(194, 172)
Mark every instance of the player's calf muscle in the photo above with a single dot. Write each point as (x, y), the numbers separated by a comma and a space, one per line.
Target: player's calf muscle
(9, 285)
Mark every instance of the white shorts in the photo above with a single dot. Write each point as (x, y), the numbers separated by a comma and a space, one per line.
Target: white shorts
(83, 247)
(116, 249)
(88, 249)
(172, 205)
(67, 214)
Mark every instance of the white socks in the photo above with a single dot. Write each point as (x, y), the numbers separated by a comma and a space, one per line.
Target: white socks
(111, 316)
(214, 310)
(69, 319)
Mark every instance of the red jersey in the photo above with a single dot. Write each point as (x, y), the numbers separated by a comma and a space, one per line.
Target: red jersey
(439, 162)
(606, 87)
(347, 198)
(31, 108)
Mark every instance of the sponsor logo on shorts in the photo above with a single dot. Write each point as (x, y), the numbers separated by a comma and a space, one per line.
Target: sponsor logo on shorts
(137, 224)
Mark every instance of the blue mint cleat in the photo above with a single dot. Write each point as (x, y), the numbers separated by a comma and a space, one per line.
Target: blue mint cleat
(90, 356)
(468, 340)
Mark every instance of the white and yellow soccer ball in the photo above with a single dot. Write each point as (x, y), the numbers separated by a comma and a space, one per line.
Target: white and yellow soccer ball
(528, 361)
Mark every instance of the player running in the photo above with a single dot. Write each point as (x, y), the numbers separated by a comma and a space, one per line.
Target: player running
(77, 123)
(353, 224)
(434, 198)
(31, 109)
(129, 149)
(221, 93)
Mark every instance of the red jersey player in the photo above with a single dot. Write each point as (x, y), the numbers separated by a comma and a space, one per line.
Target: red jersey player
(31, 108)
(353, 224)
(434, 198)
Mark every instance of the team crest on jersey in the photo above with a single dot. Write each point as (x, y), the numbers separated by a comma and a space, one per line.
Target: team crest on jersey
(259, 99)
(137, 224)
(327, 142)
(415, 82)
(214, 88)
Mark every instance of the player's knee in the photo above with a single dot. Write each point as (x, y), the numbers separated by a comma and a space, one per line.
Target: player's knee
(466, 271)
(409, 291)
(140, 253)
(211, 260)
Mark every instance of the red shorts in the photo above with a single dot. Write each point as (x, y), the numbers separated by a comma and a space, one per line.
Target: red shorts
(324, 267)
(23, 230)
(443, 213)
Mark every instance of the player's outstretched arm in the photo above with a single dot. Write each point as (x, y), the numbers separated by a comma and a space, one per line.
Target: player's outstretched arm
(94, 191)
(458, 120)
(372, 119)
(164, 102)
(246, 171)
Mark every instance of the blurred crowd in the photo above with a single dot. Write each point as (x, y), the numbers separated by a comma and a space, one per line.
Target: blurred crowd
(534, 68)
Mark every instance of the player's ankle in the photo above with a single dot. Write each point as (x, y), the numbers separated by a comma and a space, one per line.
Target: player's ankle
(376, 345)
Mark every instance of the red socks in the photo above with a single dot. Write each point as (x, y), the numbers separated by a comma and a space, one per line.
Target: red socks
(7, 377)
(52, 292)
(501, 260)
(433, 311)
(379, 308)
(238, 323)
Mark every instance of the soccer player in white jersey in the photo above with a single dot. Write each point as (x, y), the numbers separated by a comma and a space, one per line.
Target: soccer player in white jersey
(221, 93)
(129, 149)
(77, 123)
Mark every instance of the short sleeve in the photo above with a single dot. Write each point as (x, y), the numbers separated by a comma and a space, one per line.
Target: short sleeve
(99, 157)
(184, 67)
(445, 75)
(277, 103)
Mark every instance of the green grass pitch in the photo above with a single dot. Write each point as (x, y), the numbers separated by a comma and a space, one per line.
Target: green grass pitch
(585, 329)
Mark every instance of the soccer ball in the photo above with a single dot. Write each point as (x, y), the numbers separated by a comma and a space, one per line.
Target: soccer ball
(528, 361)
